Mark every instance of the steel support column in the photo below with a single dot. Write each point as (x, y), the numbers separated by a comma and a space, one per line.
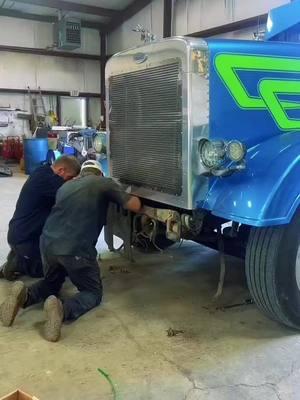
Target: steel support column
(103, 51)
(168, 11)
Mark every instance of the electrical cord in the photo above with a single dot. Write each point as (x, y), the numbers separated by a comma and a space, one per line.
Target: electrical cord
(109, 380)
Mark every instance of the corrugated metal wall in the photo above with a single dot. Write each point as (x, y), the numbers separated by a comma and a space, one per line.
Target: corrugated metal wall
(191, 16)
(18, 70)
(196, 15)
(50, 73)
(151, 17)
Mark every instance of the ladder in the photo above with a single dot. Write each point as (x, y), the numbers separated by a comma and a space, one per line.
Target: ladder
(38, 108)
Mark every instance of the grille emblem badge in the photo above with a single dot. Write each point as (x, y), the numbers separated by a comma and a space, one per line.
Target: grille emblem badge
(139, 58)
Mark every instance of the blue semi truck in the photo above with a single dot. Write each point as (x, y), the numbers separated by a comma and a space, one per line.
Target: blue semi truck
(207, 133)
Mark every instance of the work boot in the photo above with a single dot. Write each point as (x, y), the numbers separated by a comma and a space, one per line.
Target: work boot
(8, 272)
(15, 300)
(55, 315)
(9, 269)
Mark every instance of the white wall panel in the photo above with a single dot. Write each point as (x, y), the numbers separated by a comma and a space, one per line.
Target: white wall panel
(123, 37)
(14, 100)
(246, 9)
(17, 32)
(90, 42)
(194, 14)
(189, 16)
(180, 18)
(197, 15)
(17, 71)
(91, 76)
(215, 13)
(157, 17)
(150, 18)
(21, 32)
(43, 34)
(241, 34)
(53, 71)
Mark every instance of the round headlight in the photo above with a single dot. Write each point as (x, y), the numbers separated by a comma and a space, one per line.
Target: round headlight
(212, 153)
(236, 151)
(99, 144)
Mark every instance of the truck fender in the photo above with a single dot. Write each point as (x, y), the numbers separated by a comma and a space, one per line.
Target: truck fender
(267, 192)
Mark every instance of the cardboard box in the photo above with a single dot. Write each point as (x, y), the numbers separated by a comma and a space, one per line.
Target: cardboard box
(18, 395)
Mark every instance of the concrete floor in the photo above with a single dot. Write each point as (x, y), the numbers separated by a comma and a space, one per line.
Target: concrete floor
(224, 355)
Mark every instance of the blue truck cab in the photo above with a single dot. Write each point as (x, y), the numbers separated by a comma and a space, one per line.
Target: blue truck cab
(207, 133)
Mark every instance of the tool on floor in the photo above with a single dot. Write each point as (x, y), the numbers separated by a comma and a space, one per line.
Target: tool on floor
(109, 380)
(247, 302)
(5, 171)
(115, 268)
(212, 308)
(174, 332)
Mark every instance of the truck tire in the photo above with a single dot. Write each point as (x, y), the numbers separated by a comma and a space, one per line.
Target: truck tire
(273, 271)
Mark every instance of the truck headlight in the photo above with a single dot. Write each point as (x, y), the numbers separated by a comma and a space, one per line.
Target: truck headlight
(235, 151)
(212, 153)
(219, 158)
(100, 143)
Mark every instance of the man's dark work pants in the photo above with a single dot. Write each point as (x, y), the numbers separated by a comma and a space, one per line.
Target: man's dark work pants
(27, 258)
(83, 273)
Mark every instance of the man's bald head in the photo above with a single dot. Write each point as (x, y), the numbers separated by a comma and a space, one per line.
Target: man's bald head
(66, 167)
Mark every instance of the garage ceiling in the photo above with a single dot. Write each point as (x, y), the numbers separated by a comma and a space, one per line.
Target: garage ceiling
(104, 15)
(112, 4)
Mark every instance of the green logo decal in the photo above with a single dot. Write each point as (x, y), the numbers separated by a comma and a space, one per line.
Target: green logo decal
(269, 89)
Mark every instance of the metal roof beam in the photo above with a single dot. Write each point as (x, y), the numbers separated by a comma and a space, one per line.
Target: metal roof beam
(233, 26)
(168, 12)
(47, 18)
(52, 53)
(49, 92)
(69, 6)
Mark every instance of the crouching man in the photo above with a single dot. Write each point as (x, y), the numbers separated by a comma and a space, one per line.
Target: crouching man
(68, 249)
(33, 207)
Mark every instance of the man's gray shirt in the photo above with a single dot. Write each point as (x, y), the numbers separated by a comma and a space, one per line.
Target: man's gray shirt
(79, 214)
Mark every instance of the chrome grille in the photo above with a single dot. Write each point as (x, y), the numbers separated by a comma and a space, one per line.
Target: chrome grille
(146, 128)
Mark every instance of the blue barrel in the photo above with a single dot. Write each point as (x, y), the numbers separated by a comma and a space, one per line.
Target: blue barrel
(69, 150)
(35, 153)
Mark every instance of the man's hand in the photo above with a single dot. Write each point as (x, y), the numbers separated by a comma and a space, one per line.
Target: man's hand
(134, 204)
